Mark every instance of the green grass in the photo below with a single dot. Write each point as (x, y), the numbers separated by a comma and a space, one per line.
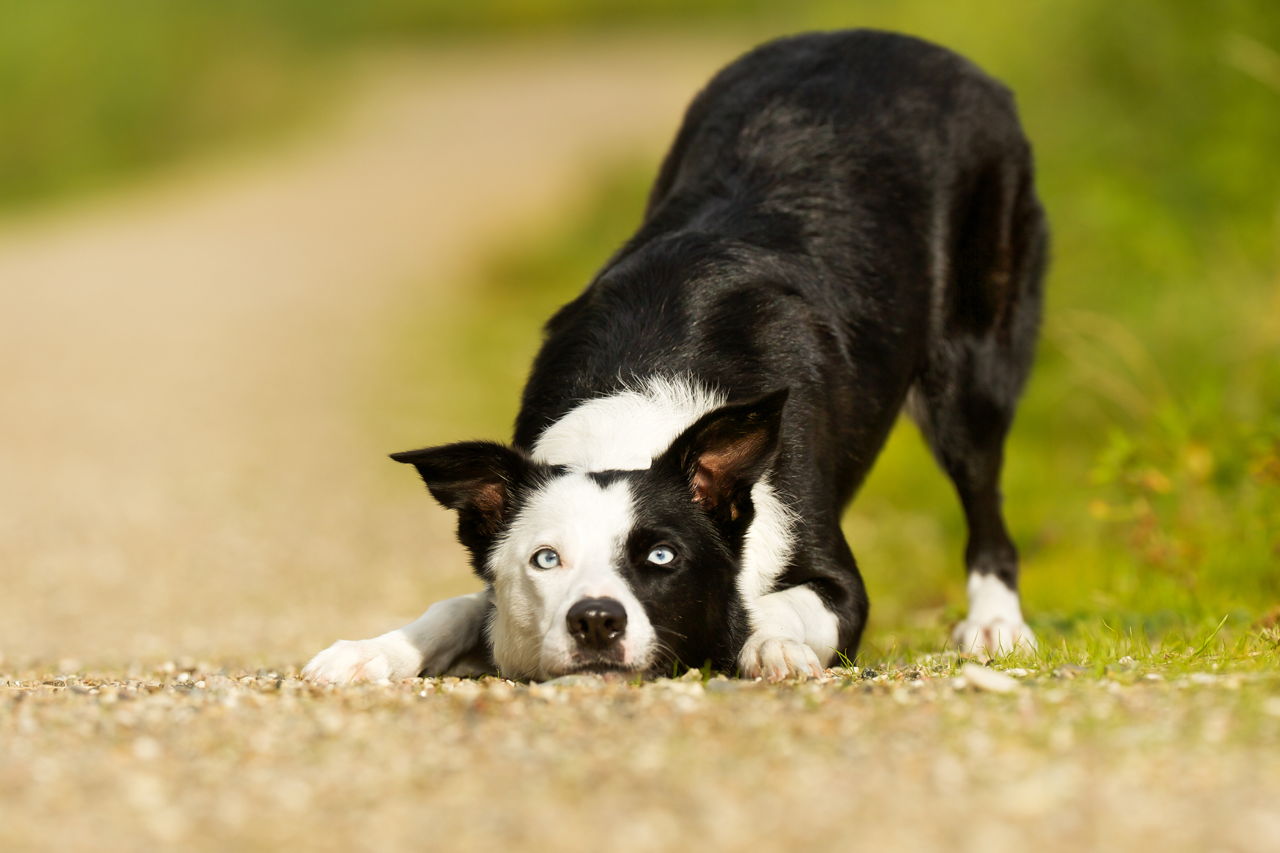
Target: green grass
(1143, 474)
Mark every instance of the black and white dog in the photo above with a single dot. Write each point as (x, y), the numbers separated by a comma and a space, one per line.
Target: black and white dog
(845, 225)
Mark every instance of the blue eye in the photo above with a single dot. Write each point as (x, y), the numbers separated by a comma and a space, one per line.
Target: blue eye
(545, 558)
(662, 555)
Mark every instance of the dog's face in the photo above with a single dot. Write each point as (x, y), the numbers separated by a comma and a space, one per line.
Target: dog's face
(632, 571)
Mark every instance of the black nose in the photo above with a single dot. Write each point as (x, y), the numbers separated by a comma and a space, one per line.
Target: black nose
(597, 622)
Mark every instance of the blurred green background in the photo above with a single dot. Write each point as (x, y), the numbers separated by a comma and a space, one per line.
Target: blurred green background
(1143, 482)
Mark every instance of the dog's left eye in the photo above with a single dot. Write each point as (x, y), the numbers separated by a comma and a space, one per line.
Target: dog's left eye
(545, 558)
(662, 555)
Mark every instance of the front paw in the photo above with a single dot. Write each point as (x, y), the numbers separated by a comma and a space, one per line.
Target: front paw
(380, 660)
(778, 658)
(993, 637)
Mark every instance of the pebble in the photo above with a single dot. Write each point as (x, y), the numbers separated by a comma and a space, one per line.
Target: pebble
(726, 686)
(982, 678)
(578, 680)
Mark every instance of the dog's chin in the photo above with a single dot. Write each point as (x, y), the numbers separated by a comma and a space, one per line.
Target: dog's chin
(611, 669)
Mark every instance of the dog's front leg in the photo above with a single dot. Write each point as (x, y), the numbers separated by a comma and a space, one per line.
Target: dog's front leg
(794, 635)
(447, 639)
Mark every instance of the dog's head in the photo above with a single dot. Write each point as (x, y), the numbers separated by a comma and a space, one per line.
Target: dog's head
(620, 570)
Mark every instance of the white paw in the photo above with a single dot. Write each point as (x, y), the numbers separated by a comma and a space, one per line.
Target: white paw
(778, 658)
(380, 660)
(993, 637)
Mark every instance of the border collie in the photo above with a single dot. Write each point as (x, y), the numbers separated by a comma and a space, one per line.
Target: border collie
(845, 226)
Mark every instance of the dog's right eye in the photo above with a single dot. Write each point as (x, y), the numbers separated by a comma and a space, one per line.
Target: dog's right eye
(545, 558)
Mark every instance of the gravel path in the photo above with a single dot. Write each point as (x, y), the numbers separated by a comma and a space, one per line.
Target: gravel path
(903, 760)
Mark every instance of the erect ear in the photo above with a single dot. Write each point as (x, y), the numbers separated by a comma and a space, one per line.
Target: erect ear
(472, 477)
(727, 450)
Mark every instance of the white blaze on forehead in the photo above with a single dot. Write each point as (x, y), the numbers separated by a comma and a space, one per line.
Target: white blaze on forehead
(625, 431)
(582, 520)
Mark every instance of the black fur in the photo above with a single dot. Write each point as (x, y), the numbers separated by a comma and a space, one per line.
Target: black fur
(850, 216)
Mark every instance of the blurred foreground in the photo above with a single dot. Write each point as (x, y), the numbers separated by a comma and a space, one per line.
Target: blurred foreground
(907, 759)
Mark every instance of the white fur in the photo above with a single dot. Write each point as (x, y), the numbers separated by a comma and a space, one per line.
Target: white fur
(768, 546)
(587, 525)
(625, 431)
(994, 625)
(795, 635)
(431, 644)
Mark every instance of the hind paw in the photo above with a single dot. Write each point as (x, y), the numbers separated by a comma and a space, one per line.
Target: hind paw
(993, 637)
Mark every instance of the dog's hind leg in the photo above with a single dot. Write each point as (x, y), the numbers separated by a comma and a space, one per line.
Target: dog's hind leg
(984, 324)
(446, 640)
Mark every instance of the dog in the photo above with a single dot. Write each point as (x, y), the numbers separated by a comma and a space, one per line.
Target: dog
(845, 227)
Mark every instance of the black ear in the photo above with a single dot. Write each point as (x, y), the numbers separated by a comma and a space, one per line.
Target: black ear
(472, 477)
(727, 450)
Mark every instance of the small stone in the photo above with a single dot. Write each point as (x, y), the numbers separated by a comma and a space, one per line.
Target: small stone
(146, 749)
(983, 678)
(501, 691)
(466, 690)
(576, 680)
(718, 685)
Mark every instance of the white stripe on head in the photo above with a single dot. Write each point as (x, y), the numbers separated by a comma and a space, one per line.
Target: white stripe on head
(625, 431)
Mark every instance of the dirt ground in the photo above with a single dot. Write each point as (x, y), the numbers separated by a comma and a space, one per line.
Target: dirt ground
(904, 760)
(191, 506)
